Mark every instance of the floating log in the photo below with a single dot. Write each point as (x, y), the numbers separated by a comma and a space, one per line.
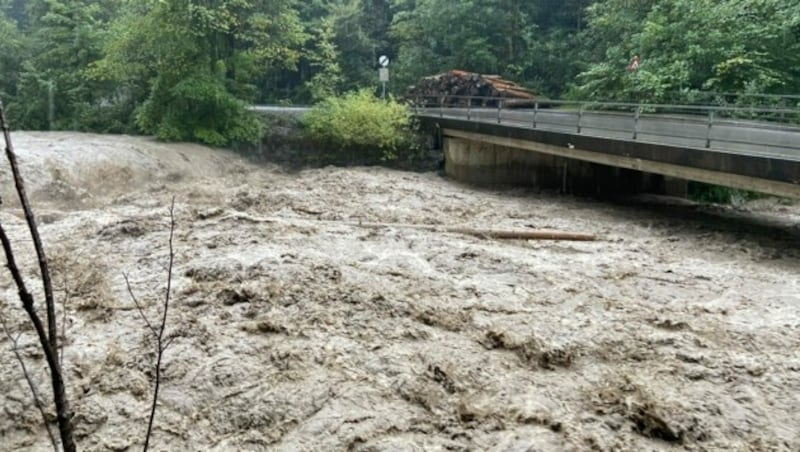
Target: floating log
(524, 234)
(504, 234)
(516, 234)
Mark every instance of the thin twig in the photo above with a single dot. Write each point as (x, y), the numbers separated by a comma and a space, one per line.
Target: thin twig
(168, 342)
(49, 343)
(63, 322)
(139, 307)
(160, 343)
(34, 392)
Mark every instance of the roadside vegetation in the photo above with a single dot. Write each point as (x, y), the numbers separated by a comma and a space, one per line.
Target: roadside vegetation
(363, 127)
(719, 194)
(189, 70)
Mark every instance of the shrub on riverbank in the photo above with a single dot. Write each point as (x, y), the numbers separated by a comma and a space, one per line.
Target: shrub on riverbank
(362, 129)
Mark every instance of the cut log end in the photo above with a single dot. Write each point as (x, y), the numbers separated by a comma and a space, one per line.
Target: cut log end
(461, 88)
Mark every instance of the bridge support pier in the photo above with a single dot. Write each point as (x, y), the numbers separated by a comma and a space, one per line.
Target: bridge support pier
(675, 187)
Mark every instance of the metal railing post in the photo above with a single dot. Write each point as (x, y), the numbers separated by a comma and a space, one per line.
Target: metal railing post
(580, 117)
(708, 131)
(535, 112)
(636, 121)
(441, 106)
(499, 109)
(469, 108)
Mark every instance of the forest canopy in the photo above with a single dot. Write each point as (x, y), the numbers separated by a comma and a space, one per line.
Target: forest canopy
(188, 69)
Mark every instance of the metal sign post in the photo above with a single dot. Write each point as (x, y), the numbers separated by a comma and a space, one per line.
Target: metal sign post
(383, 73)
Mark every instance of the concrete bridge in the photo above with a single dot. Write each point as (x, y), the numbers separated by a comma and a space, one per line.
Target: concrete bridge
(615, 147)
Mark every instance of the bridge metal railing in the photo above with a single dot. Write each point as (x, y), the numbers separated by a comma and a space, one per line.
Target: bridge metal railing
(727, 99)
(728, 128)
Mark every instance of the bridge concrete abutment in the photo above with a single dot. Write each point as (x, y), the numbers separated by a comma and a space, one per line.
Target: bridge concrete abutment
(484, 163)
(489, 164)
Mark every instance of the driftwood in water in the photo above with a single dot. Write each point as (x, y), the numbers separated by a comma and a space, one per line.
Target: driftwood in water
(517, 234)
(507, 234)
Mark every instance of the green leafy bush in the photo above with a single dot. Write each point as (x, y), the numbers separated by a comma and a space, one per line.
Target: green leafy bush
(363, 127)
(718, 194)
(198, 108)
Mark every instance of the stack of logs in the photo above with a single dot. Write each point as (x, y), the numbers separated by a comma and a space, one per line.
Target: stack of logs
(461, 88)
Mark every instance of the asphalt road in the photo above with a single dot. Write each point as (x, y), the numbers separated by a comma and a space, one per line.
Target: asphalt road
(281, 110)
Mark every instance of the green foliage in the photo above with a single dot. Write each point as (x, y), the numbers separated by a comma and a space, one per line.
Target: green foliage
(481, 36)
(361, 30)
(198, 108)
(14, 10)
(530, 42)
(11, 58)
(325, 62)
(347, 36)
(687, 46)
(718, 194)
(53, 88)
(187, 69)
(196, 65)
(375, 129)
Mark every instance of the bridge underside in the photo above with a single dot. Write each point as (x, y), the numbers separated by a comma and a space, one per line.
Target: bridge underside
(497, 154)
(482, 163)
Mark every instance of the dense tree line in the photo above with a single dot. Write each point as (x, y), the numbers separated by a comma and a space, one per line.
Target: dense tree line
(187, 69)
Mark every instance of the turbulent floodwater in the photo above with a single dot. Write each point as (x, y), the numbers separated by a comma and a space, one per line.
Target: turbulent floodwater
(295, 328)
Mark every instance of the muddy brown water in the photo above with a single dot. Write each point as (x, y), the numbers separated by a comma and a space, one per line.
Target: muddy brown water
(295, 329)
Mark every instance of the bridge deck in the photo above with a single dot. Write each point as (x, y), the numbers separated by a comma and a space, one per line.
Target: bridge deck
(743, 154)
(701, 132)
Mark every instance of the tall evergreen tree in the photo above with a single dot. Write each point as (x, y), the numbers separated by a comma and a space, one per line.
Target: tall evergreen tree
(199, 62)
(54, 89)
(11, 59)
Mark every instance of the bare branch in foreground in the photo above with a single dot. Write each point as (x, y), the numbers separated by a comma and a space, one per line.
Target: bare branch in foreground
(47, 284)
(36, 399)
(48, 339)
(63, 322)
(158, 330)
(139, 306)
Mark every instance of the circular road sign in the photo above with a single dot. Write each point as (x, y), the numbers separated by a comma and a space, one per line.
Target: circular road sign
(383, 60)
